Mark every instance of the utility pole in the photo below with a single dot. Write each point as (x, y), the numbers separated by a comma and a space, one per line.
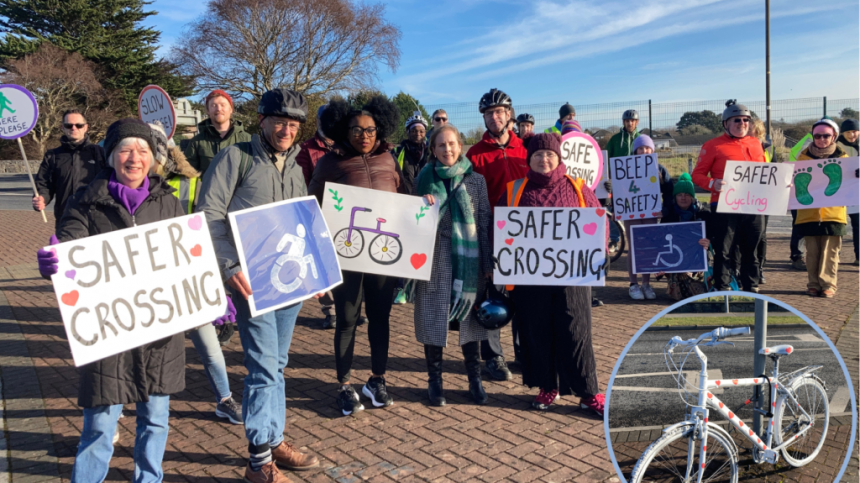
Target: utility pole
(767, 67)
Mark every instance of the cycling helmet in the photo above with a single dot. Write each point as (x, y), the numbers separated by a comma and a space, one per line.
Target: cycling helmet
(826, 121)
(525, 118)
(283, 103)
(630, 114)
(734, 109)
(415, 118)
(494, 98)
(494, 312)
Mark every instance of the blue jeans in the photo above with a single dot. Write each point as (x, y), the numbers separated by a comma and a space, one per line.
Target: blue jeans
(205, 340)
(266, 342)
(96, 447)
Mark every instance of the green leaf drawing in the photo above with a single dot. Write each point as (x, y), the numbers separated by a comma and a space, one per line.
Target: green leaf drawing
(338, 208)
(337, 200)
(420, 214)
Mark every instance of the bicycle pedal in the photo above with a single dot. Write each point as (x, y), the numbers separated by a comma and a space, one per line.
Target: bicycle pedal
(771, 456)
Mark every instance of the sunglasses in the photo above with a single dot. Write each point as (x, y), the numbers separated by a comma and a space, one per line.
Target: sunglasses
(440, 119)
(69, 126)
(744, 120)
(822, 136)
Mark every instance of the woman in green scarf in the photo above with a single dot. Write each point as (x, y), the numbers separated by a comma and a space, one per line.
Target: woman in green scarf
(462, 260)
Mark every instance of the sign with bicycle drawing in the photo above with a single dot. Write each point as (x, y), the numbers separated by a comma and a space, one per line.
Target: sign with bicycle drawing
(286, 252)
(380, 232)
(824, 183)
(669, 248)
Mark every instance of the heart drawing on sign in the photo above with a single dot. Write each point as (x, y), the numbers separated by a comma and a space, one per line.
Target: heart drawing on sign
(195, 223)
(70, 298)
(418, 260)
(600, 211)
(618, 217)
(632, 216)
(509, 241)
(501, 224)
(641, 215)
(71, 274)
(656, 213)
(196, 251)
(590, 228)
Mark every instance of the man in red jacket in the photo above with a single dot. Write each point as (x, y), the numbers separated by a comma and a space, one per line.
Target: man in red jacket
(500, 158)
(729, 230)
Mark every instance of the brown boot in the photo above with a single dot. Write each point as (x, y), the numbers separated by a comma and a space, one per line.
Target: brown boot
(269, 473)
(291, 458)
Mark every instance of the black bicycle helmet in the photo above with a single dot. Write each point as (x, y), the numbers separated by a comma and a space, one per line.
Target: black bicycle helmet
(494, 98)
(494, 312)
(283, 103)
(630, 114)
(525, 117)
(733, 109)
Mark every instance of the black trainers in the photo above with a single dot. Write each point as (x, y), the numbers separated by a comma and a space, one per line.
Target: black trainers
(498, 370)
(347, 400)
(595, 302)
(328, 322)
(230, 409)
(375, 390)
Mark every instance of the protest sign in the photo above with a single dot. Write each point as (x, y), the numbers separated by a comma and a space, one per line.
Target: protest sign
(155, 105)
(853, 209)
(380, 232)
(669, 248)
(18, 111)
(824, 183)
(583, 158)
(549, 246)
(286, 252)
(755, 188)
(600, 190)
(130, 287)
(636, 187)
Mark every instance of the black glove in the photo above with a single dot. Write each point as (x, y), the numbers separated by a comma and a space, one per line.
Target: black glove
(608, 185)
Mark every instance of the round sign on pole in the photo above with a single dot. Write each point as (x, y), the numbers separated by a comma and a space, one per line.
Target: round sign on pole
(155, 105)
(18, 111)
(583, 157)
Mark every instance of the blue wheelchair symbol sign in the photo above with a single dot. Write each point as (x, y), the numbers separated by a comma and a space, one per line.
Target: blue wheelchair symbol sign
(669, 248)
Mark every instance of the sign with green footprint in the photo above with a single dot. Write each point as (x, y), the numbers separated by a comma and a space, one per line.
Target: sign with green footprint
(823, 183)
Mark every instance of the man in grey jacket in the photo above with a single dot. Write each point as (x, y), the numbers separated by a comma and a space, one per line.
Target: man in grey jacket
(241, 176)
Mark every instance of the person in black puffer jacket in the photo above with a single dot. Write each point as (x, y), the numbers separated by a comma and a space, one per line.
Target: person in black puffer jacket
(412, 153)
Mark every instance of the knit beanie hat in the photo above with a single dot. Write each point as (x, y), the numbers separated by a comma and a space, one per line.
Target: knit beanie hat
(849, 125)
(565, 110)
(161, 146)
(128, 128)
(643, 140)
(550, 141)
(684, 185)
(826, 121)
(570, 126)
(218, 93)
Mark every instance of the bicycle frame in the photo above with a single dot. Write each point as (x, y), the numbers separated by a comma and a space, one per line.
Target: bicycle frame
(367, 229)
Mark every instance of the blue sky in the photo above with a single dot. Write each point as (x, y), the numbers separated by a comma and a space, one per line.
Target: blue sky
(590, 52)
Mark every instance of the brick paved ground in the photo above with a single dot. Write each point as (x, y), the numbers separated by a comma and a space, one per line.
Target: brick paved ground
(503, 441)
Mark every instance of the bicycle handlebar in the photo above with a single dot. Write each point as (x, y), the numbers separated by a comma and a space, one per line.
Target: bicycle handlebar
(715, 336)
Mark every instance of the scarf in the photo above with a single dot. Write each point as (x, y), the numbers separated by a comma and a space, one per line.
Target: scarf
(129, 197)
(464, 231)
(819, 153)
(686, 215)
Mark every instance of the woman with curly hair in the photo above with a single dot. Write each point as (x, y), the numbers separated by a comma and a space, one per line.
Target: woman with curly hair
(360, 157)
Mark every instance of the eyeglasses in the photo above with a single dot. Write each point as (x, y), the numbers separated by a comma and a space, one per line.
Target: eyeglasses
(359, 132)
(69, 126)
(440, 119)
(742, 120)
(822, 136)
(291, 125)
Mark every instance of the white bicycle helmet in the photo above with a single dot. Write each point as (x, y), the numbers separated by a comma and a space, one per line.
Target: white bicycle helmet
(415, 118)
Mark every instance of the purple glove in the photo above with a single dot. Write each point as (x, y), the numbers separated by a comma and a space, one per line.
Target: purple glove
(229, 316)
(48, 259)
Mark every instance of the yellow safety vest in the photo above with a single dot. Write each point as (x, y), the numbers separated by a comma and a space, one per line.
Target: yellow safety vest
(186, 191)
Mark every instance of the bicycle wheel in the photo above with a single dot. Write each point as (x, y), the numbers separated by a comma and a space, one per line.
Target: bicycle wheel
(666, 459)
(616, 249)
(385, 250)
(812, 397)
(348, 248)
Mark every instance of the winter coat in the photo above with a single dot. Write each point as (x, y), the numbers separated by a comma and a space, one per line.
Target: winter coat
(702, 212)
(312, 151)
(667, 188)
(157, 367)
(225, 190)
(822, 221)
(376, 170)
(203, 147)
(850, 148)
(184, 179)
(433, 298)
(497, 164)
(621, 144)
(714, 154)
(409, 165)
(65, 170)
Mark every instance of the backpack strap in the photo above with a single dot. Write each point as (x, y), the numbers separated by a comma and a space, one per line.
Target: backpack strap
(515, 192)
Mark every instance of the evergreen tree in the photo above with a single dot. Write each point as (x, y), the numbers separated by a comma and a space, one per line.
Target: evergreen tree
(407, 105)
(106, 32)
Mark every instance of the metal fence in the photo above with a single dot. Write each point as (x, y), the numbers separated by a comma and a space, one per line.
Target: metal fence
(658, 116)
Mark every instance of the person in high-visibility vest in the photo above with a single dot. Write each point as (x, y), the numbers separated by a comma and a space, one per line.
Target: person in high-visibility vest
(565, 113)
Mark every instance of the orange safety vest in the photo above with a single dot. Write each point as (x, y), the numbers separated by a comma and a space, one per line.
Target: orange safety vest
(515, 192)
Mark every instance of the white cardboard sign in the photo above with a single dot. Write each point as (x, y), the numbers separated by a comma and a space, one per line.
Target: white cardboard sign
(600, 189)
(824, 183)
(18, 111)
(379, 232)
(131, 287)
(549, 246)
(155, 105)
(636, 187)
(583, 158)
(755, 188)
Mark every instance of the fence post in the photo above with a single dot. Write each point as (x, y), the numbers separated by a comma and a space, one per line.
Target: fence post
(759, 360)
(650, 125)
(825, 107)
(690, 165)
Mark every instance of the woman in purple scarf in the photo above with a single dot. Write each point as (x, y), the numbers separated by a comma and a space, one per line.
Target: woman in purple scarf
(555, 322)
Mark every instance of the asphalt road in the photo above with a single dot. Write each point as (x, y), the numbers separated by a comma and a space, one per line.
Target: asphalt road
(16, 193)
(645, 394)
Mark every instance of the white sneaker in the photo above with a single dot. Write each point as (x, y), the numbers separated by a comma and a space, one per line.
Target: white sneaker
(116, 436)
(649, 292)
(636, 292)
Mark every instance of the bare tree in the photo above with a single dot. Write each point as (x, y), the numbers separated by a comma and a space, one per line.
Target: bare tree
(62, 80)
(311, 46)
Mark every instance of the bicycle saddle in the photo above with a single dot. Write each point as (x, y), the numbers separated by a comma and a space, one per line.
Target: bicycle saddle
(778, 350)
(381, 220)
